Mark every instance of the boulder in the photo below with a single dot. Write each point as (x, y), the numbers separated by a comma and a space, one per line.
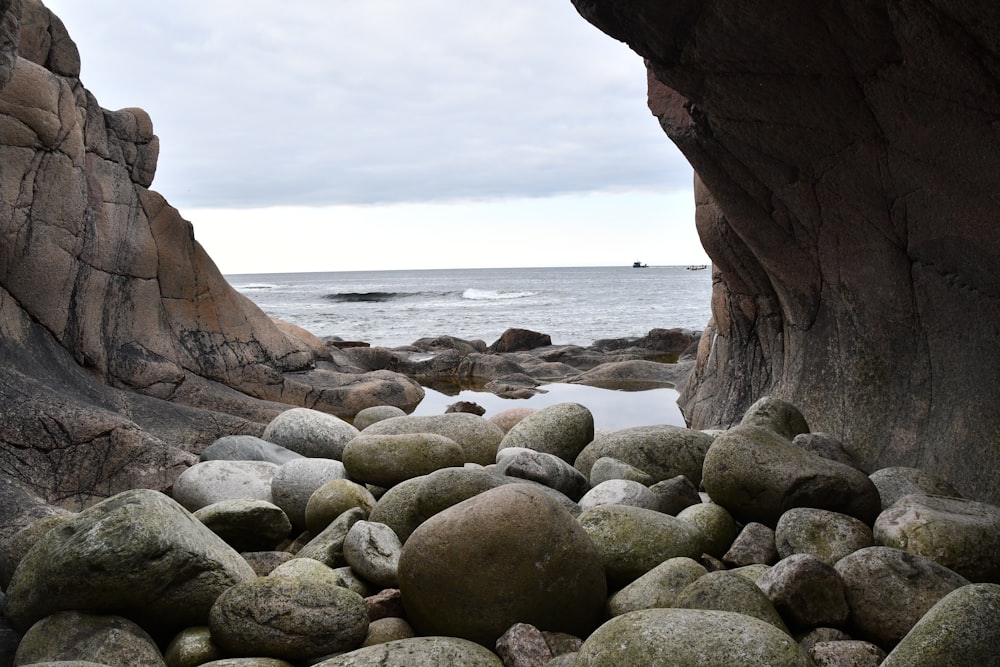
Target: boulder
(897, 481)
(826, 535)
(962, 535)
(517, 340)
(725, 591)
(846, 653)
(79, 637)
(333, 499)
(755, 544)
(507, 419)
(418, 652)
(210, 482)
(631, 541)
(478, 437)
(294, 483)
(17, 545)
(246, 525)
(662, 451)
(138, 554)
(960, 630)
(620, 492)
(563, 430)
(247, 662)
(889, 590)
(633, 374)
(443, 488)
(388, 459)
(758, 474)
(310, 433)
(807, 592)
(523, 645)
(776, 415)
(658, 588)
(675, 493)
(288, 617)
(716, 525)
(546, 469)
(375, 413)
(508, 555)
(388, 629)
(328, 546)
(825, 445)
(372, 551)
(689, 638)
(397, 508)
(192, 647)
(607, 468)
(247, 448)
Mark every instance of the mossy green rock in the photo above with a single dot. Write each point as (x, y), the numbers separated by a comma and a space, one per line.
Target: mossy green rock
(192, 647)
(387, 460)
(961, 630)
(441, 489)
(776, 415)
(758, 475)
(716, 524)
(689, 638)
(138, 554)
(658, 588)
(72, 635)
(829, 536)
(397, 508)
(725, 591)
(246, 525)
(632, 541)
(512, 554)
(418, 652)
(662, 451)
(562, 430)
(478, 437)
(333, 499)
(963, 535)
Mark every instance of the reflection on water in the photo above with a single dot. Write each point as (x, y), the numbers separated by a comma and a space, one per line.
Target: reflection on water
(612, 409)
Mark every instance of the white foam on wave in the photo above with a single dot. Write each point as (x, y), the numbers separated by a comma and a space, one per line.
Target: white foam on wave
(255, 286)
(494, 295)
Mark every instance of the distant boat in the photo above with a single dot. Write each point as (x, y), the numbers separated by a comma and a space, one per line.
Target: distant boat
(697, 267)
(639, 265)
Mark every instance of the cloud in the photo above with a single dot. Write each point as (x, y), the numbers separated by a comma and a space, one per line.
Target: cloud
(375, 101)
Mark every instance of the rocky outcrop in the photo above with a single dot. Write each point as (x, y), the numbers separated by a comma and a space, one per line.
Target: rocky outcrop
(122, 347)
(847, 160)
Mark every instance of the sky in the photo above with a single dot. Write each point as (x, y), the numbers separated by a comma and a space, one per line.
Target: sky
(391, 134)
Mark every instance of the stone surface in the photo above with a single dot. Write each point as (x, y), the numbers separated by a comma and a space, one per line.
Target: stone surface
(310, 433)
(563, 430)
(847, 653)
(295, 482)
(328, 546)
(606, 468)
(776, 415)
(523, 645)
(210, 482)
(72, 635)
(508, 555)
(418, 652)
(544, 468)
(444, 488)
(286, 617)
(333, 499)
(962, 535)
(658, 588)
(516, 340)
(725, 591)
(387, 460)
(387, 629)
(192, 647)
(375, 413)
(961, 630)
(620, 492)
(675, 494)
(247, 448)
(829, 143)
(246, 525)
(716, 525)
(807, 592)
(758, 474)
(662, 451)
(397, 508)
(895, 482)
(138, 554)
(632, 541)
(889, 590)
(689, 638)
(478, 437)
(755, 544)
(372, 550)
(826, 535)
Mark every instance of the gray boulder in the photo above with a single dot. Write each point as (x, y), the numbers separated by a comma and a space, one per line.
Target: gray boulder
(825, 445)
(897, 481)
(247, 448)
(620, 492)
(753, 545)
(209, 482)
(79, 637)
(775, 414)
(717, 526)
(397, 508)
(291, 618)
(388, 459)
(418, 652)
(675, 494)
(806, 592)
(295, 482)
(310, 432)
(328, 546)
(544, 468)
(511, 554)
(826, 535)
(333, 499)
(606, 468)
(960, 630)
(689, 638)
(657, 588)
(631, 541)
(372, 550)
(562, 430)
(478, 437)
(725, 591)
(138, 554)
(758, 474)
(375, 413)
(246, 525)
(662, 451)
(441, 489)
(889, 590)
(963, 535)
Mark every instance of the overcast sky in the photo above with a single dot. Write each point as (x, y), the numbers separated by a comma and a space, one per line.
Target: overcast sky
(382, 134)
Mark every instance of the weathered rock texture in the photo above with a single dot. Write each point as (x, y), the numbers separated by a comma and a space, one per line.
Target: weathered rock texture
(848, 161)
(122, 348)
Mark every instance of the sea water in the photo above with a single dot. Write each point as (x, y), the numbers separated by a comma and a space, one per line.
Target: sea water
(574, 306)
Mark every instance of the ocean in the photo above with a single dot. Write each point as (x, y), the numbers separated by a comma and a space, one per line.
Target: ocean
(575, 306)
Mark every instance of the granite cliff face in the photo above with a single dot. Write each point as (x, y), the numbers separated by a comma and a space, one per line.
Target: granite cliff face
(848, 161)
(122, 348)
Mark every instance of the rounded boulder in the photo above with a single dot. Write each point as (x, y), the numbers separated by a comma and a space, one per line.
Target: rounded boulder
(662, 451)
(479, 438)
(387, 460)
(310, 432)
(562, 430)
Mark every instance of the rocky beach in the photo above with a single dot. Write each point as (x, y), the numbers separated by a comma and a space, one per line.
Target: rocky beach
(186, 481)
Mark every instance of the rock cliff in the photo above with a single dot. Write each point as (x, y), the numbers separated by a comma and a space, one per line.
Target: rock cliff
(122, 348)
(848, 161)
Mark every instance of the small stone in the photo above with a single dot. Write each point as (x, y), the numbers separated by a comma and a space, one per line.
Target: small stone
(328, 546)
(192, 647)
(754, 544)
(547, 469)
(850, 653)
(657, 588)
(725, 591)
(388, 629)
(386, 603)
(376, 413)
(523, 645)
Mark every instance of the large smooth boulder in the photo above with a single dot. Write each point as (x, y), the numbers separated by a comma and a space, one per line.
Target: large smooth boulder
(962, 535)
(889, 590)
(296, 480)
(138, 554)
(246, 525)
(725, 591)
(662, 451)
(478, 437)
(209, 482)
(76, 636)
(758, 474)
(563, 430)
(826, 535)
(509, 555)
(386, 460)
(418, 652)
(830, 141)
(247, 448)
(895, 482)
(544, 468)
(689, 638)
(657, 588)
(960, 630)
(310, 433)
(807, 592)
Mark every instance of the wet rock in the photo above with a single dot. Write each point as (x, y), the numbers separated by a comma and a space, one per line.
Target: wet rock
(466, 406)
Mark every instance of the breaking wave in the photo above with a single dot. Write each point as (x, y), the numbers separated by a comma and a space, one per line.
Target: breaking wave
(494, 295)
